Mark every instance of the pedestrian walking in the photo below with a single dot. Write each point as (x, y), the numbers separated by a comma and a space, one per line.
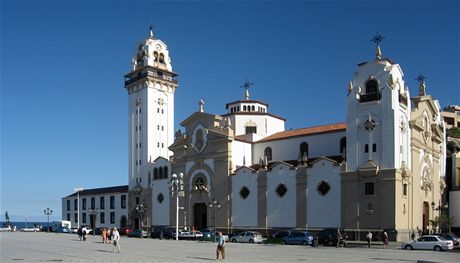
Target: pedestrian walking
(80, 233)
(84, 232)
(116, 240)
(385, 240)
(104, 235)
(369, 238)
(339, 238)
(220, 246)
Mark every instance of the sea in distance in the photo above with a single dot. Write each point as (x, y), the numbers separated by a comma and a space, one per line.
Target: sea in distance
(20, 225)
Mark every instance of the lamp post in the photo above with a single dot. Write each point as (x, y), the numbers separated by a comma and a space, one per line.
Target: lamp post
(214, 205)
(140, 212)
(48, 212)
(93, 214)
(439, 208)
(78, 190)
(177, 188)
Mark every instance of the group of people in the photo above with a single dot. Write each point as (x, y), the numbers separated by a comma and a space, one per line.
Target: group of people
(384, 238)
(108, 235)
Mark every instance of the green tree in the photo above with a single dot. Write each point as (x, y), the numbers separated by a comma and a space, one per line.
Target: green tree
(448, 221)
(435, 223)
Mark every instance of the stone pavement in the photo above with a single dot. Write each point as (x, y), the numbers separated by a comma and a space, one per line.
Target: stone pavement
(53, 247)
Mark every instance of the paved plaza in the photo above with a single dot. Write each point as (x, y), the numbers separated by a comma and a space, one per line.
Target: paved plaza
(52, 247)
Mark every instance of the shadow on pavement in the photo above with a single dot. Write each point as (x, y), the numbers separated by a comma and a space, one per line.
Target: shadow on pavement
(202, 258)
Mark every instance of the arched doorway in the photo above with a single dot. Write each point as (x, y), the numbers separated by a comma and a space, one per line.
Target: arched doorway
(123, 222)
(200, 216)
(426, 216)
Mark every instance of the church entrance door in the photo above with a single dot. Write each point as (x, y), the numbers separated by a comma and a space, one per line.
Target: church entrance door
(200, 216)
(426, 216)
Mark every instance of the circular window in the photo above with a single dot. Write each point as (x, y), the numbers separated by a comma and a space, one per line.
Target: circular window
(244, 192)
(281, 190)
(160, 198)
(323, 188)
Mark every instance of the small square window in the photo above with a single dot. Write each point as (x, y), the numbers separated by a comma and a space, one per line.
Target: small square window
(369, 189)
(374, 147)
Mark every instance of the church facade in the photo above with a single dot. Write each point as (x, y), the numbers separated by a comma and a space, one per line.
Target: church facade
(380, 169)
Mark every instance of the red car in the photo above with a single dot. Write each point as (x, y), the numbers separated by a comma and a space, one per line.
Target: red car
(126, 230)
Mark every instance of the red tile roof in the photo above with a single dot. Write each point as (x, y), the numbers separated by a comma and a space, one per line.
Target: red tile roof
(306, 131)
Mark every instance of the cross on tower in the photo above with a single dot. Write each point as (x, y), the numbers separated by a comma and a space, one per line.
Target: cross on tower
(377, 40)
(151, 31)
(246, 86)
(422, 86)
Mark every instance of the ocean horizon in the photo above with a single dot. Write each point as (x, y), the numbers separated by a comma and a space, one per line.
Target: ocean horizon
(19, 224)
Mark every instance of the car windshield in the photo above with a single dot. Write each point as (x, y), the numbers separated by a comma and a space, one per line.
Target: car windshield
(440, 237)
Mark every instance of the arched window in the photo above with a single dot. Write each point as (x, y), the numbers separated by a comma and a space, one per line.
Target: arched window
(165, 171)
(253, 108)
(268, 153)
(244, 108)
(155, 55)
(372, 86)
(160, 173)
(303, 150)
(162, 58)
(155, 173)
(343, 145)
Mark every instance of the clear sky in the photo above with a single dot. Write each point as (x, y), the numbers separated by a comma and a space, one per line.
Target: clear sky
(64, 106)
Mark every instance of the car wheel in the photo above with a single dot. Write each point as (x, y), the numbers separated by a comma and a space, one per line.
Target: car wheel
(251, 241)
(233, 240)
(304, 243)
(437, 248)
(408, 247)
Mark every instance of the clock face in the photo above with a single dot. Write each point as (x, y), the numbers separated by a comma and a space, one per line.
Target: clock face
(158, 47)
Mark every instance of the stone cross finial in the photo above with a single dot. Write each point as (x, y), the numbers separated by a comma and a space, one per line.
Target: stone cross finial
(151, 31)
(246, 86)
(201, 105)
(377, 39)
(422, 86)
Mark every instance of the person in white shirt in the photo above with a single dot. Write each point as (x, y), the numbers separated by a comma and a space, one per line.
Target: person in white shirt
(116, 240)
(369, 238)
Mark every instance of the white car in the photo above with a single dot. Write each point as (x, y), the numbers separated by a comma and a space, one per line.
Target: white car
(430, 242)
(190, 235)
(30, 229)
(248, 237)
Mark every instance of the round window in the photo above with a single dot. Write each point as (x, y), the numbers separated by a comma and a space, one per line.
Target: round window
(323, 188)
(160, 198)
(244, 192)
(281, 190)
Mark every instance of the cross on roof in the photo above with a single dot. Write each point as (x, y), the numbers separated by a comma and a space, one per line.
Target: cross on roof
(151, 31)
(246, 86)
(377, 38)
(420, 78)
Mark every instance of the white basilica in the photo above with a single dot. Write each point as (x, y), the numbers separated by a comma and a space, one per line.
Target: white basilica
(380, 169)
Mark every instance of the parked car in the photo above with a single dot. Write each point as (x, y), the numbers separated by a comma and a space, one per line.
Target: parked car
(329, 237)
(248, 237)
(30, 229)
(163, 232)
(451, 236)
(63, 230)
(430, 242)
(281, 234)
(138, 233)
(125, 231)
(74, 230)
(299, 238)
(186, 235)
(6, 228)
(46, 229)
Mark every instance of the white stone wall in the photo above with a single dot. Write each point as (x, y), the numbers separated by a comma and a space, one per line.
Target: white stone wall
(244, 211)
(241, 152)
(266, 125)
(281, 211)
(454, 207)
(323, 210)
(160, 211)
(327, 144)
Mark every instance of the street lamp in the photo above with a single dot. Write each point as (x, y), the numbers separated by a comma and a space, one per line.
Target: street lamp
(177, 188)
(214, 205)
(140, 212)
(93, 214)
(48, 212)
(439, 208)
(78, 190)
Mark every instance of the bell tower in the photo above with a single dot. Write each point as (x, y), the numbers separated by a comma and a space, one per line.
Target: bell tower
(150, 84)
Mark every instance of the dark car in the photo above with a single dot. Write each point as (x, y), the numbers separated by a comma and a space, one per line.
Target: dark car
(281, 234)
(163, 232)
(451, 236)
(138, 233)
(299, 238)
(329, 237)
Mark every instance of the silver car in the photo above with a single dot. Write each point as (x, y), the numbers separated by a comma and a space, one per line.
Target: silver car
(248, 237)
(430, 242)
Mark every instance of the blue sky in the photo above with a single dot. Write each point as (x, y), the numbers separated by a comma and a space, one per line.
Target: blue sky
(64, 107)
